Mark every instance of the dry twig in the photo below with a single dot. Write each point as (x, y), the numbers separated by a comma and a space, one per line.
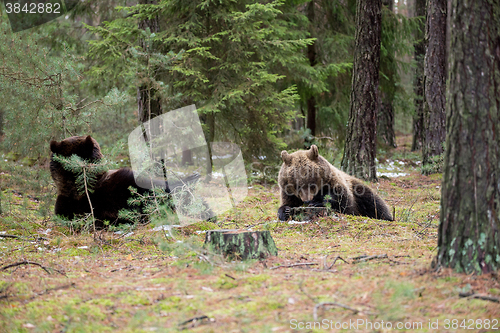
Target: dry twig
(367, 258)
(194, 322)
(324, 270)
(11, 236)
(46, 291)
(333, 263)
(47, 269)
(480, 296)
(320, 305)
(294, 265)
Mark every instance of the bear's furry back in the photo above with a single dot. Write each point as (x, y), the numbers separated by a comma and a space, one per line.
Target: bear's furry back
(307, 178)
(110, 193)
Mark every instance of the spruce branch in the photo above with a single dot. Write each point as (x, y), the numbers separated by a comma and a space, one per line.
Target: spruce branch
(86, 174)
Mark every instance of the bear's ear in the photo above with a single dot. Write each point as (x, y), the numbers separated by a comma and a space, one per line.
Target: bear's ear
(286, 157)
(54, 146)
(89, 145)
(313, 153)
(88, 141)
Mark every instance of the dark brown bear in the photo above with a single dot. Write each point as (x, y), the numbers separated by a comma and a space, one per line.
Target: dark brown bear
(110, 193)
(307, 178)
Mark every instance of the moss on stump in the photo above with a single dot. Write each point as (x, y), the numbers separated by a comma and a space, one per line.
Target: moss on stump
(241, 244)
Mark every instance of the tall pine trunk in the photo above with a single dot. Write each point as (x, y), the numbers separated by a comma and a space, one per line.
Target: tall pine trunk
(311, 55)
(469, 239)
(359, 151)
(434, 132)
(385, 118)
(418, 83)
(148, 104)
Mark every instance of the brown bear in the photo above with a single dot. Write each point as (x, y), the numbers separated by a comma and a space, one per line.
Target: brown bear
(307, 178)
(111, 190)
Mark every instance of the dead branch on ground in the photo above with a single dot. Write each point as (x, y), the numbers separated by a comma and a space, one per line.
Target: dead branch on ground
(46, 269)
(320, 305)
(333, 263)
(295, 265)
(480, 296)
(367, 258)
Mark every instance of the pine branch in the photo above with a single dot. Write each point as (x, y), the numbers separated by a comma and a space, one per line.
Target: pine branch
(85, 172)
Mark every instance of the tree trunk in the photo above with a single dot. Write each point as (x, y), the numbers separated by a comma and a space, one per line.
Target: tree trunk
(469, 239)
(1, 124)
(311, 55)
(311, 115)
(210, 121)
(418, 83)
(241, 244)
(187, 157)
(435, 81)
(148, 104)
(359, 150)
(385, 118)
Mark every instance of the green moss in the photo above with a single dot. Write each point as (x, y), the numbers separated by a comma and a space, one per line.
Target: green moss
(448, 279)
(258, 279)
(103, 301)
(162, 281)
(135, 299)
(75, 252)
(204, 225)
(494, 291)
(401, 293)
(223, 282)
(272, 305)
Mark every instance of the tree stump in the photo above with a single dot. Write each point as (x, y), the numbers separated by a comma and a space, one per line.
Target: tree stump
(241, 244)
(307, 213)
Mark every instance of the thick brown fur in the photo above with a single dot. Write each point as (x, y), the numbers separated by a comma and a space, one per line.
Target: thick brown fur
(307, 178)
(110, 193)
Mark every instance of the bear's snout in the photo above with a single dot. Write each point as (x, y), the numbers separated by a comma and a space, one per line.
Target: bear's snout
(307, 192)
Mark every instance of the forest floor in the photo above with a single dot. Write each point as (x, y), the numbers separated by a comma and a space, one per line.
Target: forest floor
(361, 274)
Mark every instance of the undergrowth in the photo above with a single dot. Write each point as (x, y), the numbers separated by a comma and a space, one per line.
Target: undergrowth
(160, 277)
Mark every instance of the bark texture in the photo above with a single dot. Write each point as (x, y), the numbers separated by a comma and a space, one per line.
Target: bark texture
(148, 104)
(359, 151)
(435, 81)
(468, 238)
(385, 118)
(418, 84)
(241, 244)
(311, 55)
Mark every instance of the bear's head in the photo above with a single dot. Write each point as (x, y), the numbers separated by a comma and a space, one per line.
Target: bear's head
(84, 146)
(303, 173)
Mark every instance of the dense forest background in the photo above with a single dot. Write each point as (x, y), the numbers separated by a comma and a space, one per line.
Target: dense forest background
(266, 76)
(348, 76)
(403, 94)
